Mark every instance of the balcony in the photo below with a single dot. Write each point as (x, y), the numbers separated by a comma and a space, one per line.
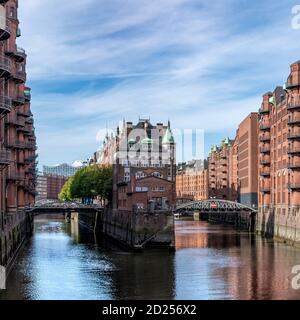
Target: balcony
(294, 150)
(20, 76)
(13, 175)
(24, 129)
(290, 85)
(294, 136)
(263, 111)
(30, 121)
(265, 162)
(5, 66)
(265, 190)
(30, 159)
(294, 120)
(26, 114)
(30, 146)
(295, 105)
(265, 173)
(4, 157)
(265, 150)
(295, 166)
(294, 186)
(27, 94)
(264, 138)
(4, 29)
(265, 126)
(18, 99)
(5, 105)
(15, 144)
(20, 161)
(20, 55)
(13, 120)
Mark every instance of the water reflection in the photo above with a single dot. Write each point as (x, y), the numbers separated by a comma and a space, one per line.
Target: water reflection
(211, 262)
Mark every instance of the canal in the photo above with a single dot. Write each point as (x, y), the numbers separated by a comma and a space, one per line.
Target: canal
(211, 262)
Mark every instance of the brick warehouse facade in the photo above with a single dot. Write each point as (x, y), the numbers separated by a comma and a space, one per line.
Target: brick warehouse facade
(192, 181)
(219, 171)
(17, 137)
(49, 186)
(144, 166)
(279, 163)
(233, 166)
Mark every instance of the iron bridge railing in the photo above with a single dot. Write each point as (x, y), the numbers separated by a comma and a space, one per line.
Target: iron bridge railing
(214, 205)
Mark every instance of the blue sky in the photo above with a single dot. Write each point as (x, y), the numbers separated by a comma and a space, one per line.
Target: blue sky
(201, 64)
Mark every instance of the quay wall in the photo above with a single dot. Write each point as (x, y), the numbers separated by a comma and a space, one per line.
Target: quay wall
(280, 223)
(15, 230)
(244, 220)
(136, 230)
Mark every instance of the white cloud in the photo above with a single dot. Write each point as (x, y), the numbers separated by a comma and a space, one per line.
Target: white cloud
(201, 63)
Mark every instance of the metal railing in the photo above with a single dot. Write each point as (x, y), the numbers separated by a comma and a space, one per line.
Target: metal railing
(294, 105)
(265, 162)
(4, 28)
(20, 75)
(292, 150)
(294, 186)
(265, 189)
(265, 138)
(295, 165)
(5, 104)
(5, 156)
(294, 119)
(15, 121)
(290, 85)
(265, 150)
(265, 126)
(5, 64)
(263, 111)
(265, 173)
(294, 135)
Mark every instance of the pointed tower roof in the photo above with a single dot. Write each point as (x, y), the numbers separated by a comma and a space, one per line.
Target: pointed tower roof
(168, 137)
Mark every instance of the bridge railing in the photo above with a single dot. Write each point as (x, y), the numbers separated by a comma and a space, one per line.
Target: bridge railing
(214, 205)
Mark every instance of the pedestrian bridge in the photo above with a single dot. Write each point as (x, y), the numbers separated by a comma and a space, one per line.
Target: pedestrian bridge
(57, 207)
(213, 205)
(220, 211)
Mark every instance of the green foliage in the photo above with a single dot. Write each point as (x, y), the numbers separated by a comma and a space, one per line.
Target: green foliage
(89, 182)
(65, 193)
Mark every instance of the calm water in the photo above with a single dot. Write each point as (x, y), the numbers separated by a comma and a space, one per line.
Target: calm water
(211, 262)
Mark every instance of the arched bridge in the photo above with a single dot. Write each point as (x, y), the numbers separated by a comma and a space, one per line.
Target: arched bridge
(57, 207)
(213, 205)
(221, 211)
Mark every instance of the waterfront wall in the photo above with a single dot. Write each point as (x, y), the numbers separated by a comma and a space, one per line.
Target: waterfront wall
(136, 230)
(244, 220)
(140, 229)
(280, 223)
(15, 230)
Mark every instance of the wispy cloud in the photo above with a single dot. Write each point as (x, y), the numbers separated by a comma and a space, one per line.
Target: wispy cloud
(200, 63)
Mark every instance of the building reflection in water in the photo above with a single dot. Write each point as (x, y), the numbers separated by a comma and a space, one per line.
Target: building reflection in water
(63, 261)
(243, 266)
(147, 275)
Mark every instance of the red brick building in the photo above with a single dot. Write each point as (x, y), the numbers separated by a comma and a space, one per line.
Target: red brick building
(279, 161)
(143, 157)
(49, 187)
(219, 171)
(17, 137)
(233, 166)
(192, 181)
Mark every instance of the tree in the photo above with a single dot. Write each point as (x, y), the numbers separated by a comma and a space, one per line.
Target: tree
(65, 193)
(88, 183)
